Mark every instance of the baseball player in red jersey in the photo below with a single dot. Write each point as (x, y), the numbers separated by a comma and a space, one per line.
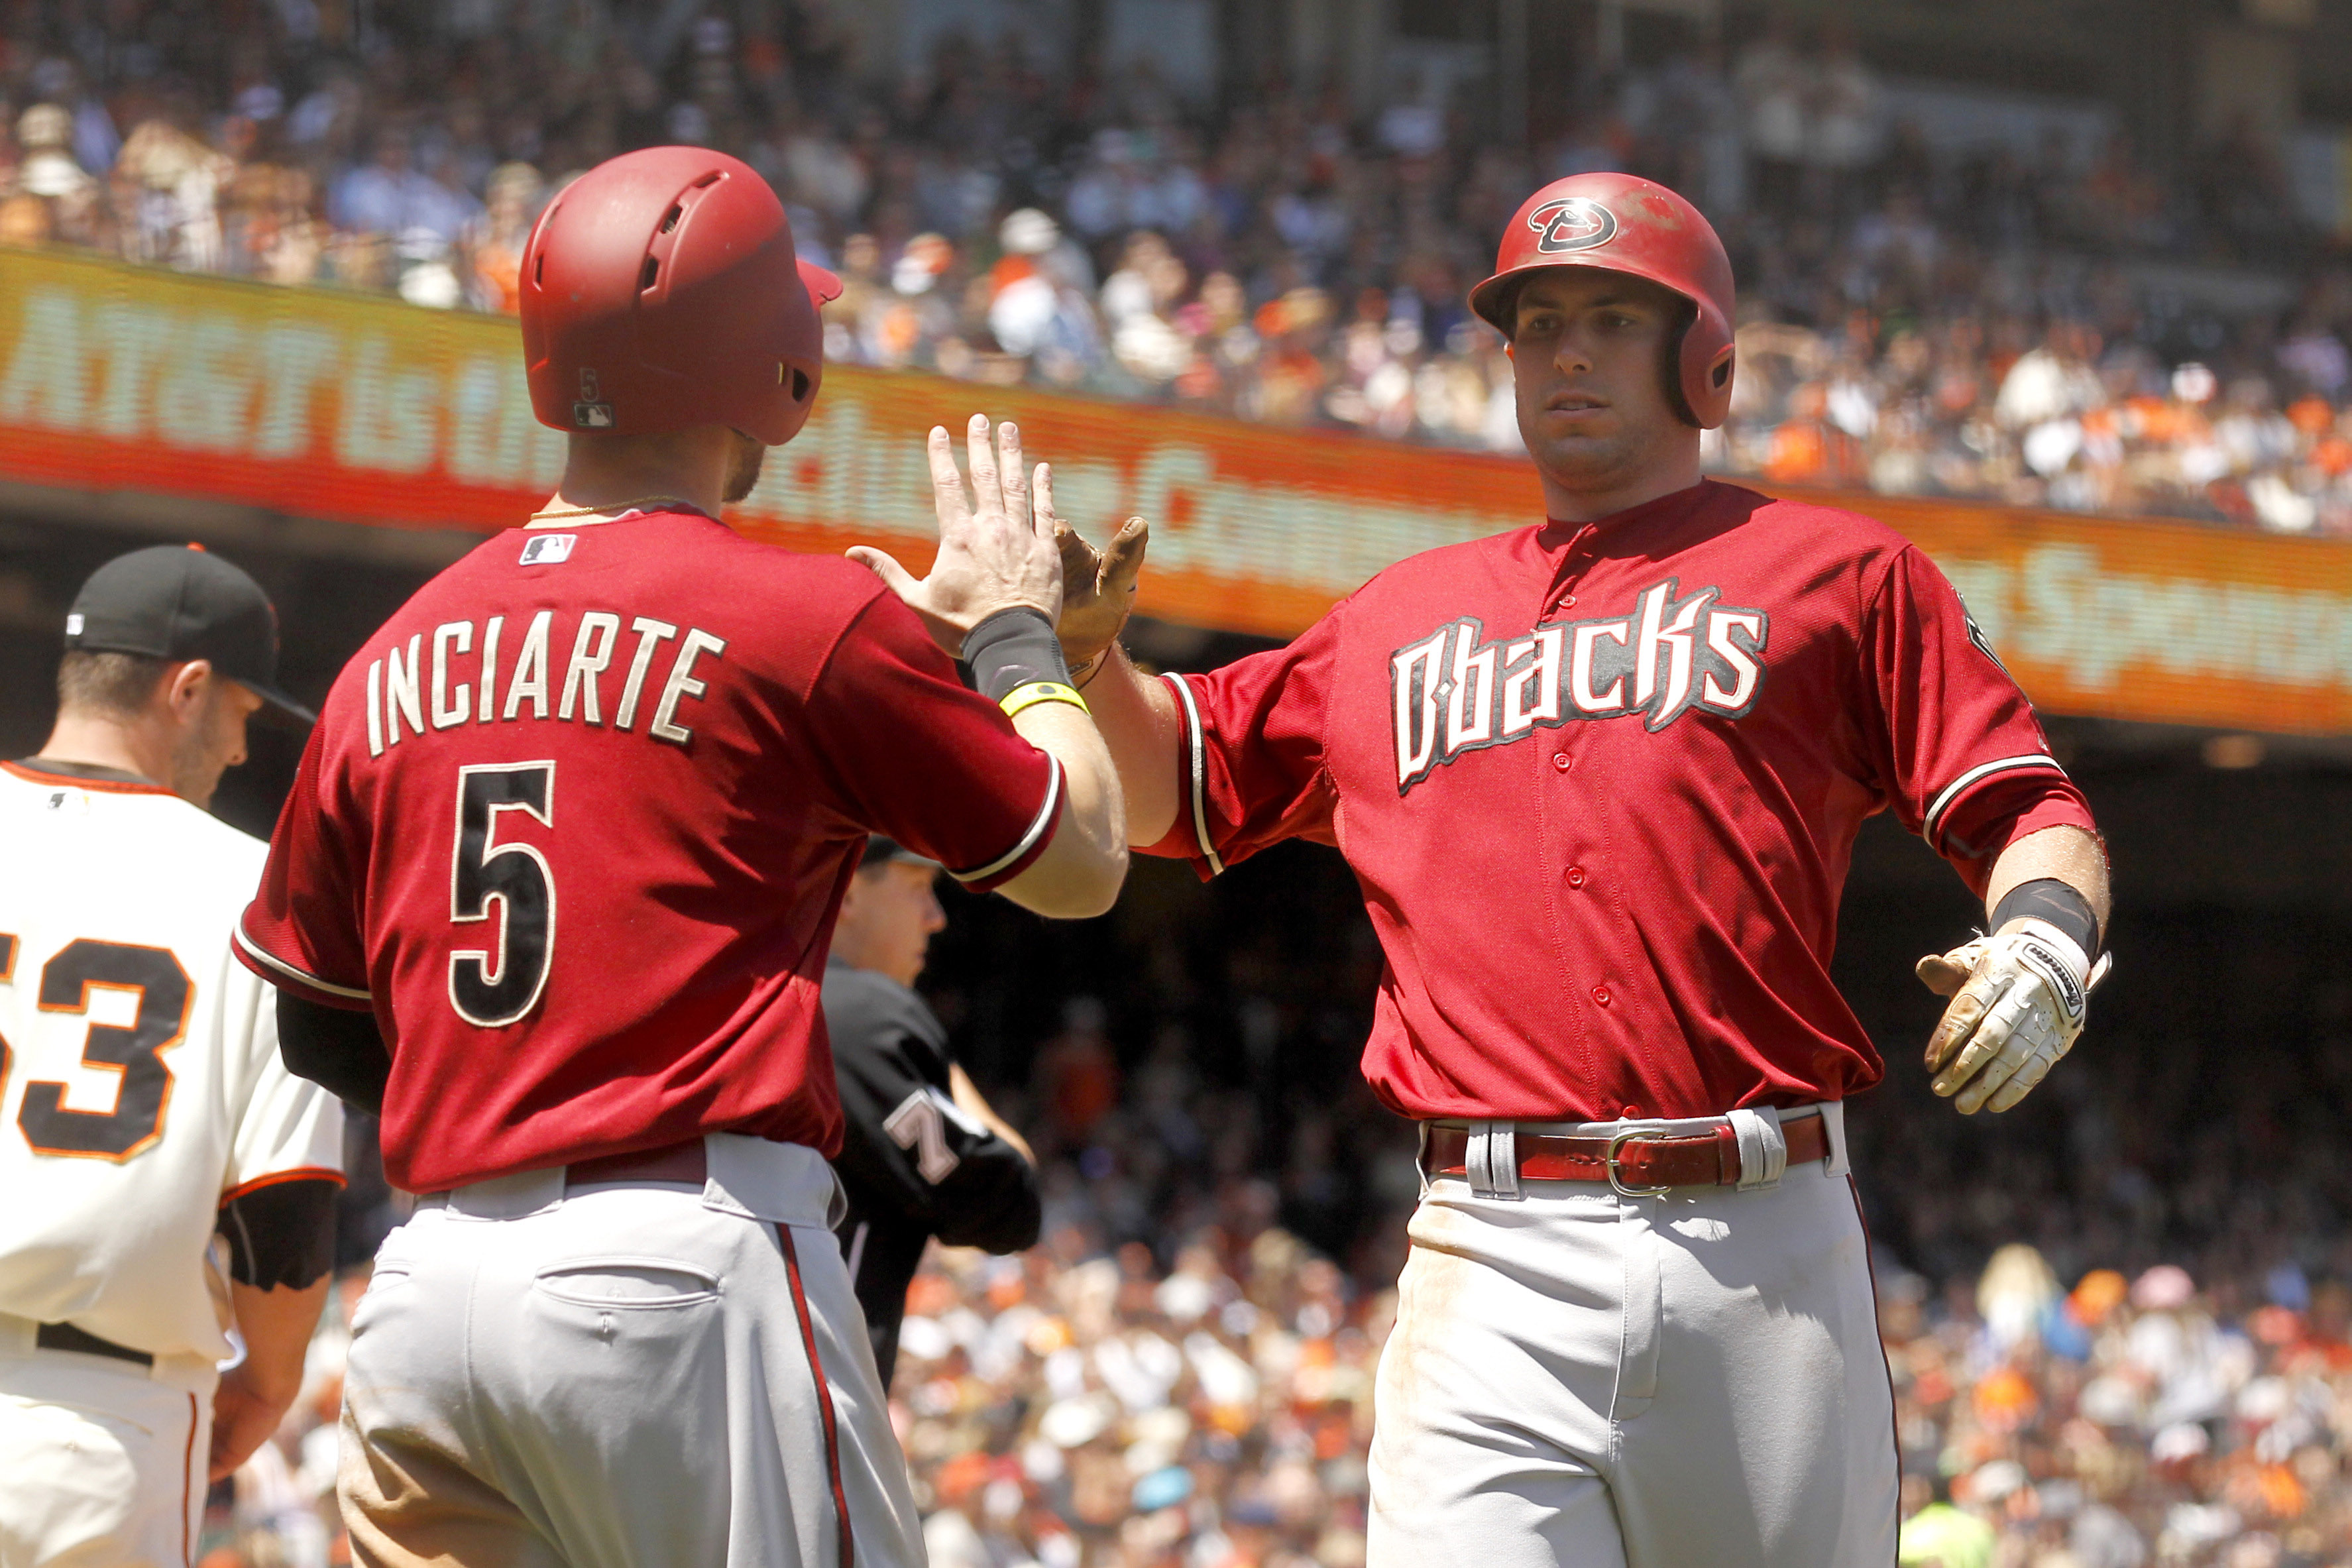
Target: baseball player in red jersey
(1599, 777)
(553, 887)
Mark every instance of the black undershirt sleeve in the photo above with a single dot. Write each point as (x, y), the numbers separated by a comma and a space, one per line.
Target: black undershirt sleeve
(282, 1234)
(340, 1050)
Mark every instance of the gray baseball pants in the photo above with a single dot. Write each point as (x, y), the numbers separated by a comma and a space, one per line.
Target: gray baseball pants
(1578, 1379)
(624, 1376)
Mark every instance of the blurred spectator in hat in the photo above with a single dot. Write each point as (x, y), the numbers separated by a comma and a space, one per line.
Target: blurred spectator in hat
(1040, 301)
(905, 323)
(167, 187)
(494, 239)
(49, 171)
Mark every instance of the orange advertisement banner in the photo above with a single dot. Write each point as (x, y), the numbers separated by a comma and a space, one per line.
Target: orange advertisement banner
(359, 409)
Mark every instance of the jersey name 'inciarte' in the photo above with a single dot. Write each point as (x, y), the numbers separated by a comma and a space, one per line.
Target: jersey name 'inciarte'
(1454, 692)
(549, 672)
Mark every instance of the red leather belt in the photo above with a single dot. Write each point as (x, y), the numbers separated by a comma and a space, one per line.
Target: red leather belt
(1629, 1161)
(684, 1162)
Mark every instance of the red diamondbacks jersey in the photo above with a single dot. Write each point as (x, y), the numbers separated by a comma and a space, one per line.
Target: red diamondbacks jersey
(575, 822)
(1601, 786)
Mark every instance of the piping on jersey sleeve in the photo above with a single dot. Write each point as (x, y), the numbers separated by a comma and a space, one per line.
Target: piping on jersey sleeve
(1196, 748)
(278, 971)
(1039, 827)
(278, 1178)
(1951, 793)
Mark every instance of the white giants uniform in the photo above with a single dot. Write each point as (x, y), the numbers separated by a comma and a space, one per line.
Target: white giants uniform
(140, 1089)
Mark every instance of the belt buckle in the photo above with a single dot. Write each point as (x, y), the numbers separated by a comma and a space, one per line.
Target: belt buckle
(1609, 1163)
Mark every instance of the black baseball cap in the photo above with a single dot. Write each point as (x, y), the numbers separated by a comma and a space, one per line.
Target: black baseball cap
(180, 602)
(879, 850)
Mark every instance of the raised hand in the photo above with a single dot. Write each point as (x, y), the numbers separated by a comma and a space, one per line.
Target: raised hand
(996, 551)
(1098, 588)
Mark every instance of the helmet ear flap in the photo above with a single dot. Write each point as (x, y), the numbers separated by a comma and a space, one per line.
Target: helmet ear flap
(1714, 382)
(1670, 370)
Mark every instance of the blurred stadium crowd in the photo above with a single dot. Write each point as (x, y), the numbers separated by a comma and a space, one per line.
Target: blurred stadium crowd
(1914, 321)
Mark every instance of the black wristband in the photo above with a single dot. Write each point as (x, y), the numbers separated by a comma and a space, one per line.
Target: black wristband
(2048, 899)
(1011, 649)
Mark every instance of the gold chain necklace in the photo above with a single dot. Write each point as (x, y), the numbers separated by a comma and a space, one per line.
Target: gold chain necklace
(641, 503)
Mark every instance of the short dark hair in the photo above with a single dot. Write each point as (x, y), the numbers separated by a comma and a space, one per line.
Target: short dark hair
(106, 682)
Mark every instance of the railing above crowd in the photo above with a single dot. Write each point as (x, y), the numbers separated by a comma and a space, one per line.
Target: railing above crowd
(1921, 320)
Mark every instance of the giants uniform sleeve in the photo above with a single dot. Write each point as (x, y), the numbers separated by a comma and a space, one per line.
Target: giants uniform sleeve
(1249, 757)
(301, 933)
(907, 1143)
(1963, 761)
(923, 759)
(287, 1129)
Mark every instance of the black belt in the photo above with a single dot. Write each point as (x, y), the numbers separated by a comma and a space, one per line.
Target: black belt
(65, 1337)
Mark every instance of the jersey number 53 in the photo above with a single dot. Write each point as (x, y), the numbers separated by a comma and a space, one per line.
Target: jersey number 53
(134, 1050)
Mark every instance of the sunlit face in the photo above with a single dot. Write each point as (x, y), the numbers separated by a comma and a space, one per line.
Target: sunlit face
(212, 737)
(887, 917)
(1588, 352)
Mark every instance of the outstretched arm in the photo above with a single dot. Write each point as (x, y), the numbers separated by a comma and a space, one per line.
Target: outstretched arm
(997, 559)
(1135, 713)
(1136, 716)
(2020, 994)
(2061, 854)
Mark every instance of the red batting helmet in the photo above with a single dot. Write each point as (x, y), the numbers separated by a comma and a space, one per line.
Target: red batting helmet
(660, 290)
(1621, 224)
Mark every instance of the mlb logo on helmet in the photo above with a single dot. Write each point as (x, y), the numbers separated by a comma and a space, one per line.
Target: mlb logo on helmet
(1571, 223)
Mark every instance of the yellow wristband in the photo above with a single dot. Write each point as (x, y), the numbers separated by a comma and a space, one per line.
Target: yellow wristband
(1038, 691)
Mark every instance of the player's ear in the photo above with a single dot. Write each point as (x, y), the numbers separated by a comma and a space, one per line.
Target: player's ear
(187, 687)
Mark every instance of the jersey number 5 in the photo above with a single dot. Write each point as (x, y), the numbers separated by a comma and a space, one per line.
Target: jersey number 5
(133, 1051)
(498, 987)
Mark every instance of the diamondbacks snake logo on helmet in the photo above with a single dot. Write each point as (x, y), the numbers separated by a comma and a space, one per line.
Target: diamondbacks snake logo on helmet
(1571, 223)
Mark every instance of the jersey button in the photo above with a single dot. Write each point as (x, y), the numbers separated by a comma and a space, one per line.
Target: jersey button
(1631, 1113)
(1576, 876)
(1600, 994)
(1562, 760)
(1568, 603)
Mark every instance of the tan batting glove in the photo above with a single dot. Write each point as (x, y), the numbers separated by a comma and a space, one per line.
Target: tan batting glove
(2020, 998)
(1097, 590)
